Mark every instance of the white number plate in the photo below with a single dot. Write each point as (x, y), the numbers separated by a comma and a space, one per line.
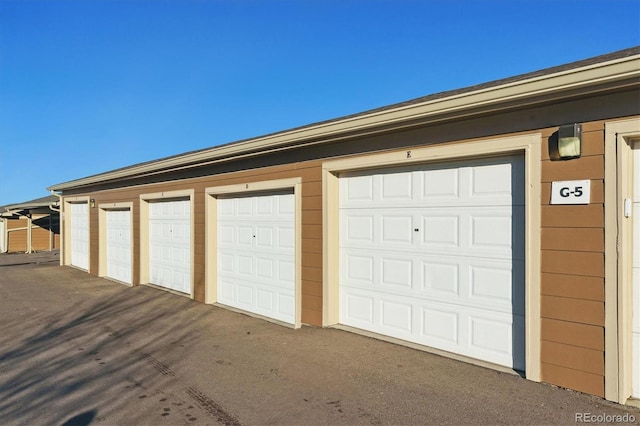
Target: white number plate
(571, 192)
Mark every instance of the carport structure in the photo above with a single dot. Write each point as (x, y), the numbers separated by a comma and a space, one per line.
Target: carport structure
(30, 226)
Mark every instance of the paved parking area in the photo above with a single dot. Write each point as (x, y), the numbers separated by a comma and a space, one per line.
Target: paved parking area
(76, 349)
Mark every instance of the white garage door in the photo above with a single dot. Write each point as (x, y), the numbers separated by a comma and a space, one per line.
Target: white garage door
(2, 248)
(636, 271)
(256, 254)
(80, 235)
(118, 225)
(170, 244)
(435, 255)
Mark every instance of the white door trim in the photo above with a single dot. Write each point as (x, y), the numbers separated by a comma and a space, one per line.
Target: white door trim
(529, 145)
(211, 238)
(102, 235)
(144, 232)
(618, 251)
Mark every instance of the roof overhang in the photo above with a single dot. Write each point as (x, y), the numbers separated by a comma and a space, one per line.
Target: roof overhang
(541, 88)
(40, 204)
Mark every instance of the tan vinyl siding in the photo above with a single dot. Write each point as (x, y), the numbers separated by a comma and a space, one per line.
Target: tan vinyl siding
(17, 240)
(572, 266)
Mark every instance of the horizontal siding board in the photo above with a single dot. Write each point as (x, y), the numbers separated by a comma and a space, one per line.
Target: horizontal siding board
(572, 286)
(310, 174)
(574, 310)
(312, 217)
(312, 245)
(582, 168)
(312, 259)
(312, 302)
(313, 202)
(311, 288)
(311, 188)
(573, 263)
(312, 231)
(573, 239)
(592, 126)
(574, 357)
(14, 224)
(573, 379)
(587, 216)
(311, 317)
(571, 333)
(310, 273)
(17, 241)
(40, 239)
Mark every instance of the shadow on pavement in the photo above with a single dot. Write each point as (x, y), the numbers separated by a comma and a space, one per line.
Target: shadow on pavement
(72, 353)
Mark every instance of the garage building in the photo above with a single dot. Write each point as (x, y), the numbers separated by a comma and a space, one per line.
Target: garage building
(480, 223)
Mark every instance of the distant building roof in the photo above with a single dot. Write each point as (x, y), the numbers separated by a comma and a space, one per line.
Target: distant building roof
(32, 204)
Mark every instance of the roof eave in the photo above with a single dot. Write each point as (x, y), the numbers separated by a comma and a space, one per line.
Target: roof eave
(584, 80)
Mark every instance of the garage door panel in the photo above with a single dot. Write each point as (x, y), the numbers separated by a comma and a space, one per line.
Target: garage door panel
(441, 327)
(495, 180)
(226, 292)
(245, 295)
(258, 297)
(463, 231)
(440, 277)
(286, 238)
(396, 273)
(490, 337)
(435, 255)
(357, 190)
(440, 185)
(287, 206)
(357, 228)
(397, 229)
(491, 284)
(170, 244)
(440, 231)
(357, 309)
(256, 251)
(397, 186)
(80, 235)
(118, 244)
(468, 331)
(275, 270)
(397, 316)
(226, 235)
(356, 269)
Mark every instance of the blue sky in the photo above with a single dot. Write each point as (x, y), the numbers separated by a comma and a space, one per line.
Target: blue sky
(90, 86)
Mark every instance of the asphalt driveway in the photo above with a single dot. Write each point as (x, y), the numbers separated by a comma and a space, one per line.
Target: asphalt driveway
(76, 349)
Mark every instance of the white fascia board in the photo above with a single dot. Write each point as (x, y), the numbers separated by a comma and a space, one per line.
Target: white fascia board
(481, 100)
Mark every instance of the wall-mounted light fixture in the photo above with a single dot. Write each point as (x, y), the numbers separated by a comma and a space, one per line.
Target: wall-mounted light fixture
(567, 142)
(92, 203)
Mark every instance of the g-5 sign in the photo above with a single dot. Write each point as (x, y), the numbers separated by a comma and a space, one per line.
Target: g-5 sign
(571, 192)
